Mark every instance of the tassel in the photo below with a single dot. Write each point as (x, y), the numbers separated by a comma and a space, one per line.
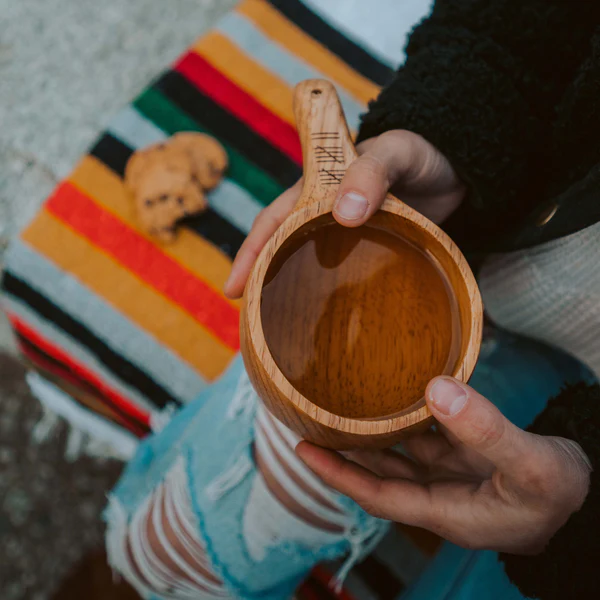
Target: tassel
(229, 479)
(116, 523)
(361, 544)
(46, 426)
(75, 443)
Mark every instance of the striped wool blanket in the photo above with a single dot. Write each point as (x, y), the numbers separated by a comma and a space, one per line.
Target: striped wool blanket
(131, 326)
(117, 328)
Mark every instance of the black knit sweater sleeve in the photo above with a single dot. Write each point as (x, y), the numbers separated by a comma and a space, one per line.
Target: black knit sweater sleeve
(481, 82)
(568, 567)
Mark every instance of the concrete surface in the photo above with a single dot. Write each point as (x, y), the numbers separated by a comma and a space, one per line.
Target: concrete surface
(65, 68)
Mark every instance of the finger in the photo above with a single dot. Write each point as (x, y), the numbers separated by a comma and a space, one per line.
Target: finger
(427, 448)
(264, 226)
(369, 178)
(365, 145)
(396, 499)
(478, 424)
(387, 463)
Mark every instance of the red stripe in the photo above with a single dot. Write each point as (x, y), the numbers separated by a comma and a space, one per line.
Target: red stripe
(58, 368)
(50, 349)
(241, 104)
(66, 375)
(146, 260)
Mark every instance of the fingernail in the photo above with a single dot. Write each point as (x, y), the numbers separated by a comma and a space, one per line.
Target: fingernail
(351, 206)
(448, 397)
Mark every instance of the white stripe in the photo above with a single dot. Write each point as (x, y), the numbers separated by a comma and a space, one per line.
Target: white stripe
(197, 578)
(136, 543)
(270, 424)
(228, 199)
(182, 536)
(158, 564)
(207, 586)
(277, 59)
(268, 523)
(134, 129)
(124, 443)
(291, 438)
(234, 204)
(380, 26)
(118, 556)
(294, 490)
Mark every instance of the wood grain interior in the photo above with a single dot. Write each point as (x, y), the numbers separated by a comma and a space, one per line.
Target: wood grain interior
(358, 320)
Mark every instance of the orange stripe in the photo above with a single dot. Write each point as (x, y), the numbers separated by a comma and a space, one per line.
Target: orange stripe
(271, 91)
(160, 317)
(290, 36)
(191, 251)
(145, 259)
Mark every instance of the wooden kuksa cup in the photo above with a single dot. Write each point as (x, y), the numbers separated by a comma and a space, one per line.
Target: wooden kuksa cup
(358, 407)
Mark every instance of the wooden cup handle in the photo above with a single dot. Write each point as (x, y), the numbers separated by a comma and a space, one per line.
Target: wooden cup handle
(327, 148)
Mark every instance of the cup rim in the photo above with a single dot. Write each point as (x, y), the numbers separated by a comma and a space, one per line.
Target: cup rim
(411, 415)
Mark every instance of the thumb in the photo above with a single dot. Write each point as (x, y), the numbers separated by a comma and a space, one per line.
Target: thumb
(476, 423)
(369, 178)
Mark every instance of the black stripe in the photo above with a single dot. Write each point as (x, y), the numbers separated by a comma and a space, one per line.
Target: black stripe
(210, 225)
(379, 578)
(119, 366)
(112, 152)
(214, 228)
(132, 424)
(350, 52)
(226, 127)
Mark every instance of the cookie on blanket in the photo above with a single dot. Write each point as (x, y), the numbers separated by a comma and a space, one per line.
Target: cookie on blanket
(209, 159)
(169, 180)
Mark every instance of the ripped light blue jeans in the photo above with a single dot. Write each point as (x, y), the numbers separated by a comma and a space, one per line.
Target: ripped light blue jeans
(209, 448)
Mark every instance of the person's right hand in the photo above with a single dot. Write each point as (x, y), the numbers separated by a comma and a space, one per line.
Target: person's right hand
(398, 161)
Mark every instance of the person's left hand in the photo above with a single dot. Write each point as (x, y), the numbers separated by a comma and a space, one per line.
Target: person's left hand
(479, 481)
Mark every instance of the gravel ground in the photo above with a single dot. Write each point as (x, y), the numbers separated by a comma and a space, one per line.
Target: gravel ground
(49, 508)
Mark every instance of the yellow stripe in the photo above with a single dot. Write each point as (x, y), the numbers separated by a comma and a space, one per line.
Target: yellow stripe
(190, 250)
(290, 36)
(151, 311)
(271, 91)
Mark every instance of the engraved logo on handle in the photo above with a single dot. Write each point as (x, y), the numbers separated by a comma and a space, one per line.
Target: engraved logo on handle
(329, 153)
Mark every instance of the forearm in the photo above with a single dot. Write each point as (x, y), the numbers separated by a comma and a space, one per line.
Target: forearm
(477, 85)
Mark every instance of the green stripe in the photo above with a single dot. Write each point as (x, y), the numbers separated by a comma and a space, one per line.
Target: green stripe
(168, 117)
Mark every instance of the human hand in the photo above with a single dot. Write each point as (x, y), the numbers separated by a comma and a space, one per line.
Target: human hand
(398, 161)
(479, 481)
